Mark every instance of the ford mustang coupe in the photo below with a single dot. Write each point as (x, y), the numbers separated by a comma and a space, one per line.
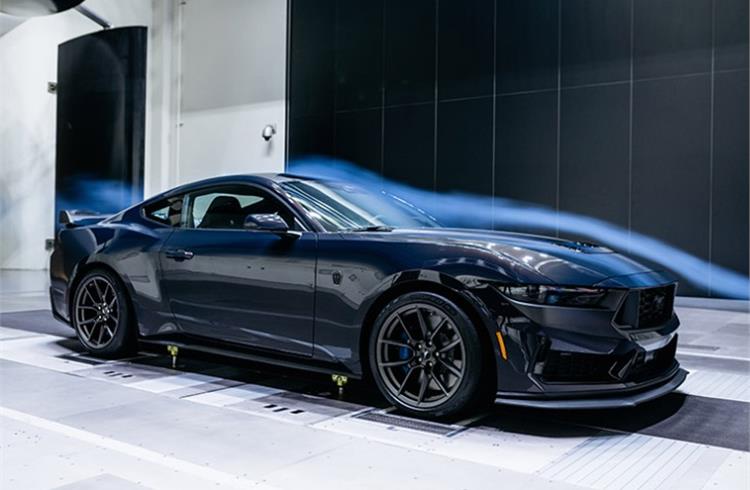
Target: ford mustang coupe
(331, 277)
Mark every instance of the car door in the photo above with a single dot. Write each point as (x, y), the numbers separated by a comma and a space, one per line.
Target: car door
(243, 286)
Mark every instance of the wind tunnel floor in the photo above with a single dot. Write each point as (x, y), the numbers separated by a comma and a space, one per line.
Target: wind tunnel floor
(71, 421)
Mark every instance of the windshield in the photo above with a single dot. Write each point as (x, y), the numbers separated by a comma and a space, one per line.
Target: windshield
(339, 206)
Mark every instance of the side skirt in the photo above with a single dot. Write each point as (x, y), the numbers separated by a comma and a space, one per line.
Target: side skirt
(212, 347)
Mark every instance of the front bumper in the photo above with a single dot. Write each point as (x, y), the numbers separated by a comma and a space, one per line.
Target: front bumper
(617, 397)
(574, 357)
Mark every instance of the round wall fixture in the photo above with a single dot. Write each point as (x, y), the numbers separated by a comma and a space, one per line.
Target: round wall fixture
(33, 8)
(268, 131)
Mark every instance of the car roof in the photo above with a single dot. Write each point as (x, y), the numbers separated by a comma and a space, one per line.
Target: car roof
(264, 179)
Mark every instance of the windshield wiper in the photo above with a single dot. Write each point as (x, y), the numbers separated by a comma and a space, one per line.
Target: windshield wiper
(371, 228)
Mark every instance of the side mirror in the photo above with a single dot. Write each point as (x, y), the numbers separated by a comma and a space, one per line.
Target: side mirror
(266, 222)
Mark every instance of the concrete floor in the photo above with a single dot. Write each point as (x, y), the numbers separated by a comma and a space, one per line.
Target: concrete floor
(71, 421)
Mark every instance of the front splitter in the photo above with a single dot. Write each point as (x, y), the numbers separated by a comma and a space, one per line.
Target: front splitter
(606, 401)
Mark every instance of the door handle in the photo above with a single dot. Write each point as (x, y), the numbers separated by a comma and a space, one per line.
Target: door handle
(179, 254)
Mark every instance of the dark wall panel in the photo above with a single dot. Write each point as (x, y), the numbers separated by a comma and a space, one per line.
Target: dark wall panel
(311, 78)
(409, 145)
(630, 111)
(594, 152)
(101, 117)
(311, 58)
(359, 54)
(462, 167)
(732, 34)
(671, 141)
(730, 171)
(671, 37)
(409, 51)
(465, 49)
(527, 45)
(526, 142)
(313, 135)
(358, 137)
(595, 41)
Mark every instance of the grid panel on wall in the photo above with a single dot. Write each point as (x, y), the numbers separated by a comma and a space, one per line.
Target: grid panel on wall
(630, 111)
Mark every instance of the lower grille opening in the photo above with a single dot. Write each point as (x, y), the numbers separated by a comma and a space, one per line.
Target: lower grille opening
(574, 367)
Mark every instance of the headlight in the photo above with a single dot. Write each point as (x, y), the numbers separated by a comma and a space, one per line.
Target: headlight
(555, 295)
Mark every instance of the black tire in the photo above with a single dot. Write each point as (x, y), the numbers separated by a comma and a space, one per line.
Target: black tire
(401, 364)
(100, 314)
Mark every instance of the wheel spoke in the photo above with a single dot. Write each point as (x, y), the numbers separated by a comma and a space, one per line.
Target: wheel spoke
(403, 325)
(90, 333)
(101, 333)
(439, 383)
(442, 323)
(406, 379)
(424, 381)
(450, 367)
(95, 282)
(396, 344)
(395, 363)
(450, 346)
(422, 323)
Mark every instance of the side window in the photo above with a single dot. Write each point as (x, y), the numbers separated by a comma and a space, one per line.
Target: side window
(227, 207)
(166, 211)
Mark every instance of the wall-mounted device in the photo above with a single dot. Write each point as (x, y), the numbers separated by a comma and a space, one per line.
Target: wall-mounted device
(268, 131)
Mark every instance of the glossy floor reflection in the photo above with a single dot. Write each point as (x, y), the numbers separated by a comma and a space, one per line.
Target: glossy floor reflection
(215, 422)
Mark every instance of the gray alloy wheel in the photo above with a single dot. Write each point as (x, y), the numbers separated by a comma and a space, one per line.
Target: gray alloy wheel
(425, 355)
(100, 314)
(420, 356)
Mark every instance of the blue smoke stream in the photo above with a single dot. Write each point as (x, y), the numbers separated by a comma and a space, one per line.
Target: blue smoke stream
(468, 210)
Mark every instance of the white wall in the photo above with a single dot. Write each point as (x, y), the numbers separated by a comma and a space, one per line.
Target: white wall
(28, 60)
(233, 67)
(216, 76)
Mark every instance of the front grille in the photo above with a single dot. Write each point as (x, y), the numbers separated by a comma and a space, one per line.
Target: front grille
(655, 306)
(575, 367)
(646, 308)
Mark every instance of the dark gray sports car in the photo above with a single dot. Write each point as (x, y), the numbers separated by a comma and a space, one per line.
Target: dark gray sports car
(331, 277)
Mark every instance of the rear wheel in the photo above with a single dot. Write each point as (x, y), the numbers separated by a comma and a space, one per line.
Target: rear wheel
(425, 355)
(101, 315)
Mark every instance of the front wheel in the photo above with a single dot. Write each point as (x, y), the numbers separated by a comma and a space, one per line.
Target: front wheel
(425, 355)
(101, 316)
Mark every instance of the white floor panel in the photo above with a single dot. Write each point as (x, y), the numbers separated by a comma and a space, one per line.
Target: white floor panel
(65, 455)
(368, 465)
(716, 384)
(631, 461)
(38, 350)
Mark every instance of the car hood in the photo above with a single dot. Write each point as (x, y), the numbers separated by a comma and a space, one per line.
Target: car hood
(533, 258)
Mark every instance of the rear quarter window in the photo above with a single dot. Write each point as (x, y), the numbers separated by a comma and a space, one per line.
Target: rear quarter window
(166, 211)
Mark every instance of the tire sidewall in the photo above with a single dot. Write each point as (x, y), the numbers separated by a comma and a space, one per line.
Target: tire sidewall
(122, 342)
(469, 390)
